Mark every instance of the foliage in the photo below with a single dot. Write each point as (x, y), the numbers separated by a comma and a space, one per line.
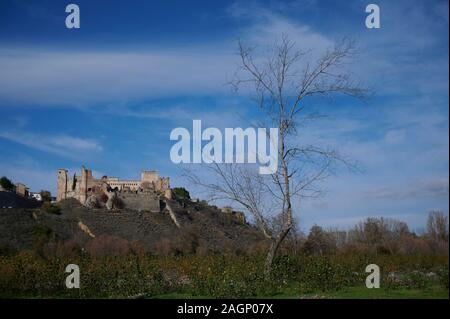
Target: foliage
(50, 208)
(218, 276)
(6, 183)
(181, 192)
(319, 242)
(443, 276)
(46, 196)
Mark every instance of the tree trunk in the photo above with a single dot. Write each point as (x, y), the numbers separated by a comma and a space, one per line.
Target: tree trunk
(274, 246)
(276, 242)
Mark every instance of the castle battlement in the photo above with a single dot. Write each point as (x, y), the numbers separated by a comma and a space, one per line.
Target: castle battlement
(84, 185)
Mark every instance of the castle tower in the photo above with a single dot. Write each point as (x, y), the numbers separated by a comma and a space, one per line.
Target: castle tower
(61, 185)
(149, 176)
(83, 185)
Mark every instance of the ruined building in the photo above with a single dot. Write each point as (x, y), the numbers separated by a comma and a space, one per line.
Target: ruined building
(143, 194)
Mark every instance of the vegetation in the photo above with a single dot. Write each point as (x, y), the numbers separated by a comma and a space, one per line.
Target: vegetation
(6, 183)
(46, 196)
(50, 208)
(221, 276)
(181, 192)
(326, 263)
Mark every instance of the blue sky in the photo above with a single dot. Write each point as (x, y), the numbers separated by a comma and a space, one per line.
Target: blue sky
(108, 94)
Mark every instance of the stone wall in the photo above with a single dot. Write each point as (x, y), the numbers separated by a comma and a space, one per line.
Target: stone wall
(82, 186)
(140, 201)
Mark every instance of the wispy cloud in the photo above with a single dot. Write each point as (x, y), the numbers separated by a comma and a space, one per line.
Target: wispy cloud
(88, 77)
(82, 79)
(61, 145)
(438, 187)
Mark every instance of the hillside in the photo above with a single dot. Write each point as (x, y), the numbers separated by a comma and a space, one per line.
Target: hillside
(201, 225)
(9, 199)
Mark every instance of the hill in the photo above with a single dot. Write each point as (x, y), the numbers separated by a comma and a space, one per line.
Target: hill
(9, 199)
(201, 228)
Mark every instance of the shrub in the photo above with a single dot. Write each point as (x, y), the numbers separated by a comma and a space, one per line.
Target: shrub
(181, 192)
(6, 183)
(443, 276)
(46, 196)
(417, 280)
(319, 273)
(6, 249)
(41, 236)
(50, 208)
(106, 245)
(217, 276)
(103, 198)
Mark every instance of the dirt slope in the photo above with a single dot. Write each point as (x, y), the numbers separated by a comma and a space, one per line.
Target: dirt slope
(217, 230)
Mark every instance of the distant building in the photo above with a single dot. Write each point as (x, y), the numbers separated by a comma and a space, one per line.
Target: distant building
(36, 196)
(22, 190)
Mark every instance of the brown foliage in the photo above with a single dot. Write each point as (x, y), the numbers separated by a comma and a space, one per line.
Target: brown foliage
(106, 245)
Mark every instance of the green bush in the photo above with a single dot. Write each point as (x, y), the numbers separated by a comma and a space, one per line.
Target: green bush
(50, 208)
(443, 276)
(417, 280)
(219, 276)
(6, 183)
(181, 192)
(46, 196)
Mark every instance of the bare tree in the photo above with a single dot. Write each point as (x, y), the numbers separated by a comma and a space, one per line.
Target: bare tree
(437, 225)
(281, 83)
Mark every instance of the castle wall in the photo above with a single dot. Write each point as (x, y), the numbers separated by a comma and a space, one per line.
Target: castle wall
(140, 201)
(132, 185)
(85, 185)
(149, 176)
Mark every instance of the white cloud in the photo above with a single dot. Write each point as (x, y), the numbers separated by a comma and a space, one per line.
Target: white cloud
(438, 187)
(47, 76)
(394, 136)
(62, 145)
(85, 78)
(267, 27)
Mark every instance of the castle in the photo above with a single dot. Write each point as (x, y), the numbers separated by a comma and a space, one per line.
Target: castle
(136, 194)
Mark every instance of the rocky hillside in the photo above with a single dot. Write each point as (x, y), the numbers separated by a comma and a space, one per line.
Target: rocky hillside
(189, 227)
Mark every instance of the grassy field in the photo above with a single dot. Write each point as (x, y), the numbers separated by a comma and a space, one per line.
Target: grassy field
(220, 276)
(435, 292)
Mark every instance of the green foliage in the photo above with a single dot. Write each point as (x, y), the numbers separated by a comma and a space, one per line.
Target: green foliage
(217, 276)
(46, 196)
(181, 192)
(319, 242)
(443, 276)
(41, 236)
(50, 208)
(6, 183)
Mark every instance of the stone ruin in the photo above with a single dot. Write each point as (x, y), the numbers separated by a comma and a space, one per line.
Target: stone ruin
(111, 192)
(237, 214)
(150, 193)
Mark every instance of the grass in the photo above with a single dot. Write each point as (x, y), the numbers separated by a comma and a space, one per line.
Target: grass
(435, 292)
(194, 277)
(403, 293)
